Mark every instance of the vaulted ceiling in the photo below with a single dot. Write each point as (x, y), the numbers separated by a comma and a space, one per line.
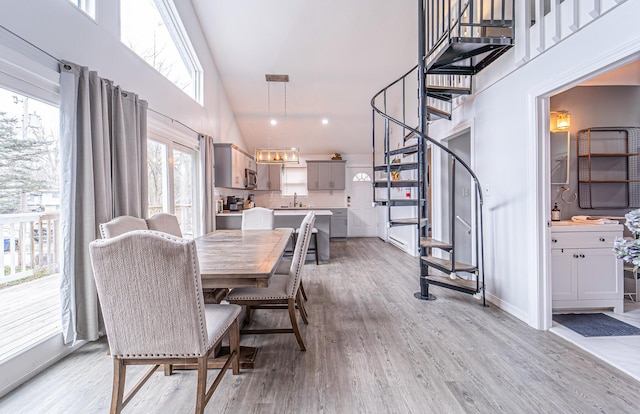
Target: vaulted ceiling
(337, 53)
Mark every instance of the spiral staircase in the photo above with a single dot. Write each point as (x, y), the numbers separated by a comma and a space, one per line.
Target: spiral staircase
(457, 39)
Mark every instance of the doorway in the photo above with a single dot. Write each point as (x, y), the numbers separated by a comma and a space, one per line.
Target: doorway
(361, 213)
(461, 146)
(618, 100)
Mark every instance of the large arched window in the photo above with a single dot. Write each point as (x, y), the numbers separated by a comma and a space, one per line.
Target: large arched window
(153, 30)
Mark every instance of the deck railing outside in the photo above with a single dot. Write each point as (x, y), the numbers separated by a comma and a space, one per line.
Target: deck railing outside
(31, 245)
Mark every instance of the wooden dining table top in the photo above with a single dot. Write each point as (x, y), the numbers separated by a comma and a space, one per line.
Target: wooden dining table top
(240, 258)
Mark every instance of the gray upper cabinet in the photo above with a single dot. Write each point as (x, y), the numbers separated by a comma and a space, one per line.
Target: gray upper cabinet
(326, 175)
(268, 177)
(230, 163)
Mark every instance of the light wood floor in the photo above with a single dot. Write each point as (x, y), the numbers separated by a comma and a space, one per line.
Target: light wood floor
(29, 312)
(371, 348)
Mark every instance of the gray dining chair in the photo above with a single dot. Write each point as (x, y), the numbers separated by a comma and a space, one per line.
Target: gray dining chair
(166, 223)
(150, 294)
(121, 225)
(283, 291)
(258, 218)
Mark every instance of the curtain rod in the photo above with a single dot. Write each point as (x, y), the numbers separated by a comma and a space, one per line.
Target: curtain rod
(176, 121)
(30, 44)
(58, 60)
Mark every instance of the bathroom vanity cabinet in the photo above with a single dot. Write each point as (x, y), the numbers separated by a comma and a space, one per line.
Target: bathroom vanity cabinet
(585, 273)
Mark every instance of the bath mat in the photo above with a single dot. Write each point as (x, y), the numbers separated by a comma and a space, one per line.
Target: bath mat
(595, 324)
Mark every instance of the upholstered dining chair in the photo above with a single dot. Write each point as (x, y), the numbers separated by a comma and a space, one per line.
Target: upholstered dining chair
(314, 247)
(150, 293)
(121, 225)
(283, 291)
(258, 218)
(166, 223)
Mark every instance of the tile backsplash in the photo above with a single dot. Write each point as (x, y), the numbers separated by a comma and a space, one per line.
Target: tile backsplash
(317, 199)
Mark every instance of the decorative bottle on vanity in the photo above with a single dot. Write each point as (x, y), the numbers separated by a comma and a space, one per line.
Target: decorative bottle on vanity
(555, 213)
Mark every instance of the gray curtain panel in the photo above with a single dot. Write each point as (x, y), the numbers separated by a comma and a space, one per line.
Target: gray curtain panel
(208, 197)
(103, 140)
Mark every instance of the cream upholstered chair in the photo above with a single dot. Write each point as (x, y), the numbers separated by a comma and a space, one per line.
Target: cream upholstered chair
(258, 218)
(166, 223)
(283, 290)
(314, 249)
(151, 298)
(121, 225)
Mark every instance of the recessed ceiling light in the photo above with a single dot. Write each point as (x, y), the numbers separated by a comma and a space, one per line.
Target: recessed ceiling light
(274, 122)
(325, 121)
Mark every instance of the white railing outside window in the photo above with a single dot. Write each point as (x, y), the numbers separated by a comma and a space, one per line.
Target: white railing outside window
(31, 246)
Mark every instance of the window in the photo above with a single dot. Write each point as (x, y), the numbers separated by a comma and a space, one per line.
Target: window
(87, 6)
(361, 177)
(184, 175)
(29, 222)
(172, 168)
(152, 29)
(158, 175)
(294, 180)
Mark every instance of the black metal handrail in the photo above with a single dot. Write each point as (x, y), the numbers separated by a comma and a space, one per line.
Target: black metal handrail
(479, 200)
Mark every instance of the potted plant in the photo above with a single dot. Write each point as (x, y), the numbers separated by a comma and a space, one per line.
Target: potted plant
(629, 249)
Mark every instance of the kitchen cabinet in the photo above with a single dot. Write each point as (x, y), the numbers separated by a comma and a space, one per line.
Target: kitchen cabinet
(585, 274)
(326, 175)
(268, 177)
(230, 164)
(339, 225)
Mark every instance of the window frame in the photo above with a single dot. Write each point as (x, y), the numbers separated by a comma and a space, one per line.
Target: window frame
(87, 7)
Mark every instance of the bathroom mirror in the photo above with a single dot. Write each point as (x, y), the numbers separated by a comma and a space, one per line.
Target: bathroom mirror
(559, 160)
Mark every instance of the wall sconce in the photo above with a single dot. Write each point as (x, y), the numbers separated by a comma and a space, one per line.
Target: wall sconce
(563, 120)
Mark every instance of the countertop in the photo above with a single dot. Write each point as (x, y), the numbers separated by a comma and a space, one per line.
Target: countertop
(568, 225)
(284, 212)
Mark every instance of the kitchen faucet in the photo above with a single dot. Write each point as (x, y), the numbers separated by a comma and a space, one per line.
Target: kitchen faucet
(295, 199)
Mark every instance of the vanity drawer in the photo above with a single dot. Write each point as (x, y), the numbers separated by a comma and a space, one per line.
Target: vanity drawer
(585, 239)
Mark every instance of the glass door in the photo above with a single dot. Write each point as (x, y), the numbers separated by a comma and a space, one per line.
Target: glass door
(29, 222)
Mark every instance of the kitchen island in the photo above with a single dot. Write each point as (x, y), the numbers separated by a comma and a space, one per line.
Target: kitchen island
(291, 218)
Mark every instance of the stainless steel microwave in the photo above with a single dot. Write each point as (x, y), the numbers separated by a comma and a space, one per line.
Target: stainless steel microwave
(250, 179)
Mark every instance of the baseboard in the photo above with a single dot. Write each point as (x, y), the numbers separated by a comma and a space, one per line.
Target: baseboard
(32, 361)
(507, 307)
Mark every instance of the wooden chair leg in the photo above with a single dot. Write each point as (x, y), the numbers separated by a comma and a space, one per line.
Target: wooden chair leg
(117, 394)
(234, 345)
(168, 369)
(304, 294)
(247, 314)
(301, 308)
(294, 322)
(201, 390)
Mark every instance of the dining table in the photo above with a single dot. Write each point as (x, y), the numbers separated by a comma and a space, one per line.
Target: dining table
(239, 258)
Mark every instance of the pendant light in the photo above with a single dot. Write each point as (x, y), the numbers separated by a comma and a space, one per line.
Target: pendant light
(277, 155)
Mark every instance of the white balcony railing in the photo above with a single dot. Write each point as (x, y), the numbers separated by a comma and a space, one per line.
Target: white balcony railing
(31, 245)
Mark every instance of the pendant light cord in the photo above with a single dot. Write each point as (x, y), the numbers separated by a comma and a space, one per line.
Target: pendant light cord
(285, 114)
(269, 115)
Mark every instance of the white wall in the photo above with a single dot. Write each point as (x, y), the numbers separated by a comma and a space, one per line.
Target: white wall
(508, 152)
(60, 29)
